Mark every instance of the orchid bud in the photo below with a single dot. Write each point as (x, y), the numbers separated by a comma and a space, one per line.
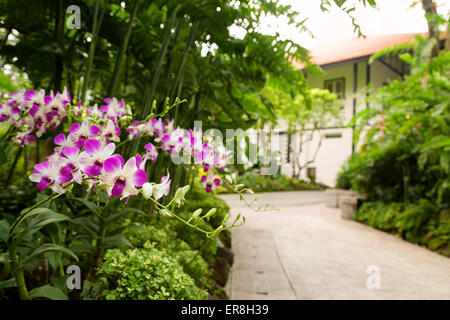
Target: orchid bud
(165, 213)
(228, 178)
(147, 190)
(186, 188)
(210, 213)
(178, 199)
(128, 110)
(225, 219)
(197, 213)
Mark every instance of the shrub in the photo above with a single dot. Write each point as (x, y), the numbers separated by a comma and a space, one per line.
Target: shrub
(418, 223)
(259, 183)
(416, 220)
(162, 236)
(377, 214)
(195, 266)
(405, 152)
(165, 239)
(146, 274)
(385, 174)
(197, 240)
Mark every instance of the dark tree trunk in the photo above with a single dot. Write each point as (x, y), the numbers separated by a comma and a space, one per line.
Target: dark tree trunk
(430, 8)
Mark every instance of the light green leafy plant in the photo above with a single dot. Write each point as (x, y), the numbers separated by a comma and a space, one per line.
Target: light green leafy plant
(146, 273)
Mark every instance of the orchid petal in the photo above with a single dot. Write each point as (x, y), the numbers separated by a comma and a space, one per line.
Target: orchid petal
(92, 146)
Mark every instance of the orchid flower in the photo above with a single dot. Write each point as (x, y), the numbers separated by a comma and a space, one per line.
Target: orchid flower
(94, 113)
(133, 130)
(209, 182)
(63, 142)
(94, 156)
(122, 180)
(151, 153)
(172, 142)
(47, 174)
(156, 191)
(83, 132)
(72, 165)
(162, 189)
(158, 126)
(110, 132)
(24, 138)
(113, 109)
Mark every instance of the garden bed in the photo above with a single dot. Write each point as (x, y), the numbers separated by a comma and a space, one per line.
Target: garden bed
(422, 223)
(271, 183)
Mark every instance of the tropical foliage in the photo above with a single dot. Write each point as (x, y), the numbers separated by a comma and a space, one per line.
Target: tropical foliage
(405, 156)
(259, 183)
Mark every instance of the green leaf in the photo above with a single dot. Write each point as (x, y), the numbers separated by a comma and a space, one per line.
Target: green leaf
(53, 258)
(8, 283)
(125, 211)
(90, 205)
(116, 241)
(4, 257)
(83, 248)
(90, 225)
(3, 157)
(46, 217)
(60, 282)
(48, 291)
(4, 230)
(50, 247)
(32, 213)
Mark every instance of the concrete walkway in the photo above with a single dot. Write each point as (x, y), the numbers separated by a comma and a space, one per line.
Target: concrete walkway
(305, 251)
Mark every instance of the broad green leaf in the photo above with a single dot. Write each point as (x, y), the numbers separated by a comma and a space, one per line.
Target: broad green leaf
(116, 241)
(48, 291)
(45, 218)
(53, 258)
(87, 223)
(50, 247)
(83, 248)
(90, 205)
(33, 213)
(8, 283)
(60, 282)
(4, 230)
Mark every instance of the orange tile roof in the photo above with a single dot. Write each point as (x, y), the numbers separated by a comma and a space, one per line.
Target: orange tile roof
(356, 48)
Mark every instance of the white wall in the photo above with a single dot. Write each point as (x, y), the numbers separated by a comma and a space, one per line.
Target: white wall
(334, 151)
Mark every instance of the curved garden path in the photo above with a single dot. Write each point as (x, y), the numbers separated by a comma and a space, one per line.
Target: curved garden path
(306, 251)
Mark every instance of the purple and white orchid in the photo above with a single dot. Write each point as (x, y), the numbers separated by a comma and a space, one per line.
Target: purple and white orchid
(121, 180)
(210, 182)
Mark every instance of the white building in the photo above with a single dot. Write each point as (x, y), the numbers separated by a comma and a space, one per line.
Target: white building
(348, 74)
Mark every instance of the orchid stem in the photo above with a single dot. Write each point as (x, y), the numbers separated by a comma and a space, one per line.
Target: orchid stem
(18, 273)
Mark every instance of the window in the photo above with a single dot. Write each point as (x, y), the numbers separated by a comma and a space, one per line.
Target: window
(333, 135)
(336, 86)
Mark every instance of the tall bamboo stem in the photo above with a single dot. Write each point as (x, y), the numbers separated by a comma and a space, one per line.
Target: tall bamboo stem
(95, 31)
(123, 49)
